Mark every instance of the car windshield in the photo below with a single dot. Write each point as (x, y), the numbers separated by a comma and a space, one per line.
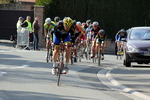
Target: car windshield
(140, 34)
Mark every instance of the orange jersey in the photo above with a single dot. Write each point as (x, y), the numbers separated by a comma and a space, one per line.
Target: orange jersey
(77, 29)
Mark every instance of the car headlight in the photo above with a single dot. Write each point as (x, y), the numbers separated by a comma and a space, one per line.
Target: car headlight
(131, 48)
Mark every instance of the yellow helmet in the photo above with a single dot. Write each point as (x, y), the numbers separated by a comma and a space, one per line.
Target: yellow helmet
(67, 21)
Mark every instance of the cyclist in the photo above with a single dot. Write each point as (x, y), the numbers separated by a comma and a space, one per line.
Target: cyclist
(121, 34)
(48, 26)
(62, 32)
(94, 31)
(100, 38)
(88, 29)
(56, 19)
(82, 34)
(77, 29)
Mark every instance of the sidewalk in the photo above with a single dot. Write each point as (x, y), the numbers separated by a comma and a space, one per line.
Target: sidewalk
(7, 44)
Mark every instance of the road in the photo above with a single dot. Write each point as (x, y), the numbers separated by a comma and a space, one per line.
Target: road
(25, 75)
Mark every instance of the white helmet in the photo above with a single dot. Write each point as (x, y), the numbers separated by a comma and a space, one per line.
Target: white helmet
(79, 23)
(48, 20)
(95, 23)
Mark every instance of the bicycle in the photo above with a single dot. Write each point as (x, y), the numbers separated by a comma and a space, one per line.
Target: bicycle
(61, 62)
(49, 56)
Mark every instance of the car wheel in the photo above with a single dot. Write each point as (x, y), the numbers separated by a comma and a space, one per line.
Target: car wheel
(126, 62)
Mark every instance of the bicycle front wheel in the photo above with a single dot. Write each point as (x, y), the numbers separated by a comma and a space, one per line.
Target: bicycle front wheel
(59, 72)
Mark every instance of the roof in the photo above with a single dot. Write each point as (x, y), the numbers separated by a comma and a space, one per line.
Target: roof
(32, 1)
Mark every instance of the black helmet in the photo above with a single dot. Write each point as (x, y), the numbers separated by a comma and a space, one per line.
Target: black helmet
(74, 22)
(88, 22)
(85, 26)
(57, 19)
(101, 32)
(122, 31)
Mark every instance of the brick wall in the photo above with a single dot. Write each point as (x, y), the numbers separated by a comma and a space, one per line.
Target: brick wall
(38, 12)
(27, 6)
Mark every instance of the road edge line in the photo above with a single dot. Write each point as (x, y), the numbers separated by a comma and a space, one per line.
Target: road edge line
(118, 85)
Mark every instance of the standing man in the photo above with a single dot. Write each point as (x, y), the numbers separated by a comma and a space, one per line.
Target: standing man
(35, 27)
(28, 25)
(19, 28)
(19, 23)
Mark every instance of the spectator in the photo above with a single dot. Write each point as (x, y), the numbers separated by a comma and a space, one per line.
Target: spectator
(20, 21)
(27, 24)
(35, 27)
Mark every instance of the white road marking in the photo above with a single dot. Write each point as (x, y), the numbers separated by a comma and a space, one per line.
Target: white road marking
(23, 66)
(105, 77)
(2, 73)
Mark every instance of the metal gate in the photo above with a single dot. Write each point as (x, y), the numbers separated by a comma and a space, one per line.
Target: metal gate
(8, 21)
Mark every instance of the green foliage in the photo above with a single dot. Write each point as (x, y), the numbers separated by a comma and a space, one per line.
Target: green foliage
(112, 15)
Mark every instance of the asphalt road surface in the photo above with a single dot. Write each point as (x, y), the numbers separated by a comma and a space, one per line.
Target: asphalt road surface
(25, 75)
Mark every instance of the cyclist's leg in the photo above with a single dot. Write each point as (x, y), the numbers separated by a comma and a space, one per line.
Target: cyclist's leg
(118, 44)
(97, 45)
(102, 51)
(82, 41)
(67, 49)
(47, 43)
(55, 53)
(92, 47)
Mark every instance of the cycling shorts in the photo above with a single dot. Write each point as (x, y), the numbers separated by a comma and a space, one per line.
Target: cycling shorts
(98, 40)
(65, 39)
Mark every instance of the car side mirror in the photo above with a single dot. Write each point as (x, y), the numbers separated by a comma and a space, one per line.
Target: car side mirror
(124, 39)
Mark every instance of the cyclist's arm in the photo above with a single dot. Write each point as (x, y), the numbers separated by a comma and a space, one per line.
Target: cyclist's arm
(45, 32)
(24, 24)
(116, 37)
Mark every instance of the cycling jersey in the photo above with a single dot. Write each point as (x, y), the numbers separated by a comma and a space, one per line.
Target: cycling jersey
(119, 36)
(95, 32)
(82, 33)
(61, 34)
(49, 27)
(88, 31)
(100, 39)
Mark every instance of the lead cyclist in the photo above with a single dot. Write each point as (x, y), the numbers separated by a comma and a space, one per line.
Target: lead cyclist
(57, 37)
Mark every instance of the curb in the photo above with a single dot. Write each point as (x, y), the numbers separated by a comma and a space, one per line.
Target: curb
(119, 86)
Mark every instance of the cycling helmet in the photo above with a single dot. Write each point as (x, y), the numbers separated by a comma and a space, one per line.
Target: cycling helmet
(101, 32)
(74, 22)
(85, 26)
(79, 23)
(95, 23)
(91, 26)
(48, 20)
(60, 22)
(122, 31)
(57, 19)
(88, 22)
(67, 21)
